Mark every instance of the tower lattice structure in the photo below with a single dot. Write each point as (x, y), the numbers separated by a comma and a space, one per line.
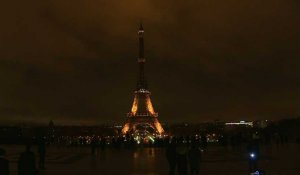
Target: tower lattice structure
(142, 118)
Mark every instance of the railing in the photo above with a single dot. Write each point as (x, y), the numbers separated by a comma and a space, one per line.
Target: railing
(142, 114)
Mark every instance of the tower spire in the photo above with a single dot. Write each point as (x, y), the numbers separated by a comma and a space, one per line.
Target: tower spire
(141, 84)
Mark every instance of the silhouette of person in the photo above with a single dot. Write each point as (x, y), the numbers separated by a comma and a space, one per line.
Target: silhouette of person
(171, 156)
(42, 152)
(94, 145)
(103, 143)
(253, 156)
(194, 159)
(4, 163)
(182, 150)
(26, 163)
(204, 141)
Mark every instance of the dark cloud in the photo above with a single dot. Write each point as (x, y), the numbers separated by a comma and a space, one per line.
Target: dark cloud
(75, 60)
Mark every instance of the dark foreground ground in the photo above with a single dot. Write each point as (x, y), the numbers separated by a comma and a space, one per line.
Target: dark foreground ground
(276, 160)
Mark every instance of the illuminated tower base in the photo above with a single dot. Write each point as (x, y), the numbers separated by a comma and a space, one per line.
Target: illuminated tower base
(142, 119)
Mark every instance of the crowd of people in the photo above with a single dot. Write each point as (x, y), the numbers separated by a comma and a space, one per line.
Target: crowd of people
(26, 161)
(183, 154)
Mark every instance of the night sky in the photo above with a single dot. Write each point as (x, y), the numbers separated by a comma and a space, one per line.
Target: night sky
(74, 61)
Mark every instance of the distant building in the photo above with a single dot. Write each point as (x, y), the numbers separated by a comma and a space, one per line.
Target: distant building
(240, 123)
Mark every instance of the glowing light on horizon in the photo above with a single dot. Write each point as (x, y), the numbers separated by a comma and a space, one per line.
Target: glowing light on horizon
(152, 139)
(125, 128)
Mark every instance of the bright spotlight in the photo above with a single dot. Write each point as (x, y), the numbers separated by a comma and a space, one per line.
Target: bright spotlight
(252, 155)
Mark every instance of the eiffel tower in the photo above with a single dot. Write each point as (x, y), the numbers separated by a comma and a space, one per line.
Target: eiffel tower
(142, 119)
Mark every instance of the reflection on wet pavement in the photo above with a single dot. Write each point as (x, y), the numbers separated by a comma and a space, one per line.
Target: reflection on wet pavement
(152, 161)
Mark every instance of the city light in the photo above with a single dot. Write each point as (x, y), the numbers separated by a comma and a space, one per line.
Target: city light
(252, 155)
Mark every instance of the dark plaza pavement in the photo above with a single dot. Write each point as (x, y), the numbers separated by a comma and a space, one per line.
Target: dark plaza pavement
(276, 160)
